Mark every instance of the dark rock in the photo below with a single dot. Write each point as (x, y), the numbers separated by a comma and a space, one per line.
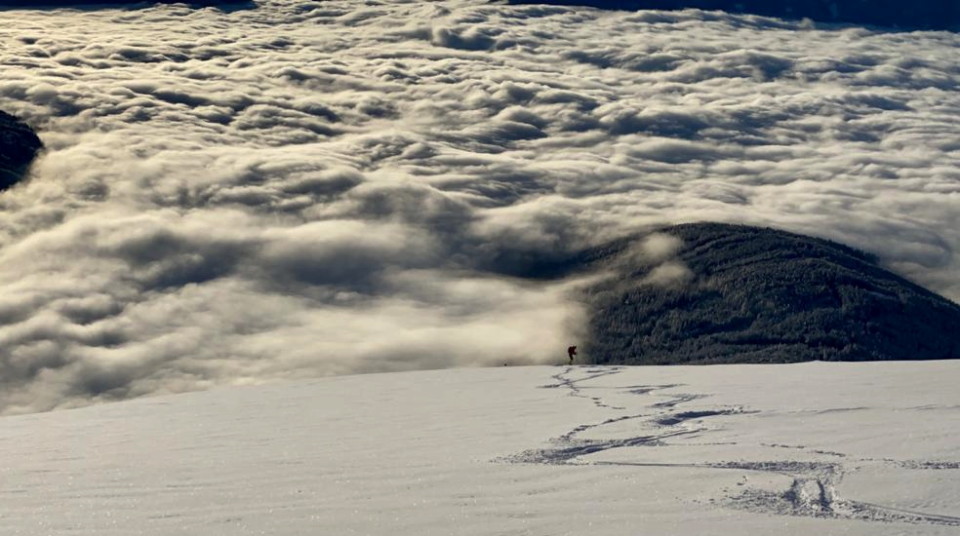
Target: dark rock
(760, 295)
(915, 14)
(19, 145)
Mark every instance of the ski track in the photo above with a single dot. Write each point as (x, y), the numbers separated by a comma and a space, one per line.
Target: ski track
(576, 391)
(812, 492)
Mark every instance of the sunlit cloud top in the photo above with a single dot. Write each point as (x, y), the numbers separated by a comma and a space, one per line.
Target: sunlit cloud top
(312, 188)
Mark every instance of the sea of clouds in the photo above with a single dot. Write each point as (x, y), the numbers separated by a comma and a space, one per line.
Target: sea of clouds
(313, 188)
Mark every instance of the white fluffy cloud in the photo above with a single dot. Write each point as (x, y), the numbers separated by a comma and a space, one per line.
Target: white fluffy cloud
(313, 188)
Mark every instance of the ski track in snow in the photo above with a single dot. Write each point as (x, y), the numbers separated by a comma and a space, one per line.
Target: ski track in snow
(812, 492)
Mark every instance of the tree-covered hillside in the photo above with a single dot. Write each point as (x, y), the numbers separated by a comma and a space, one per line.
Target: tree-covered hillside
(748, 294)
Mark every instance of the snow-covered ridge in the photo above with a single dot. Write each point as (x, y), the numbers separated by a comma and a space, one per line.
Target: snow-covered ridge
(863, 449)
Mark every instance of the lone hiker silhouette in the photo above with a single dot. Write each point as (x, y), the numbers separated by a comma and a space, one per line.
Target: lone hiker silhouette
(572, 352)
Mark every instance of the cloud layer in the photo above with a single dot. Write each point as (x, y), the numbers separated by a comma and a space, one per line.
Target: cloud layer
(917, 14)
(321, 188)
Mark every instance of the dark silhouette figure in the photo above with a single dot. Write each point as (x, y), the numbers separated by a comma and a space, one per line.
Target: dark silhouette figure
(572, 352)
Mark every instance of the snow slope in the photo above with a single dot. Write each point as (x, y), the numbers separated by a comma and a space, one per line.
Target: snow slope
(816, 448)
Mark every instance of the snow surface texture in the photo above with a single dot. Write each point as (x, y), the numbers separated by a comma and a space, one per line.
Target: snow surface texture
(816, 448)
(314, 188)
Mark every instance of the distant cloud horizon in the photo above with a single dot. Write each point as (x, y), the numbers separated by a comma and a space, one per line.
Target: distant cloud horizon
(307, 189)
(917, 14)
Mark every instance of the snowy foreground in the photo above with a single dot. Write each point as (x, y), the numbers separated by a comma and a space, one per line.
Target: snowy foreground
(817, 448)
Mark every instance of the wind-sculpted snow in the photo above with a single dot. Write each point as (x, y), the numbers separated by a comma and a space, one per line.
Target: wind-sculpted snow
(314, 188)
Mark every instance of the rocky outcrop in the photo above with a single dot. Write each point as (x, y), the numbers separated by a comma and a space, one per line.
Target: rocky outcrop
(749, 295)
(19, 145)
(916, 14)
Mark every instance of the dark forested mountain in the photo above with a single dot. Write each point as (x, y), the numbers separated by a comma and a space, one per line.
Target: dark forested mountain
(762, 295)
(19, 145)
(916, 14)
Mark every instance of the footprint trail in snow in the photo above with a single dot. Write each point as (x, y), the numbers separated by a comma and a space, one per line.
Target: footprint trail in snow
(663, 417)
